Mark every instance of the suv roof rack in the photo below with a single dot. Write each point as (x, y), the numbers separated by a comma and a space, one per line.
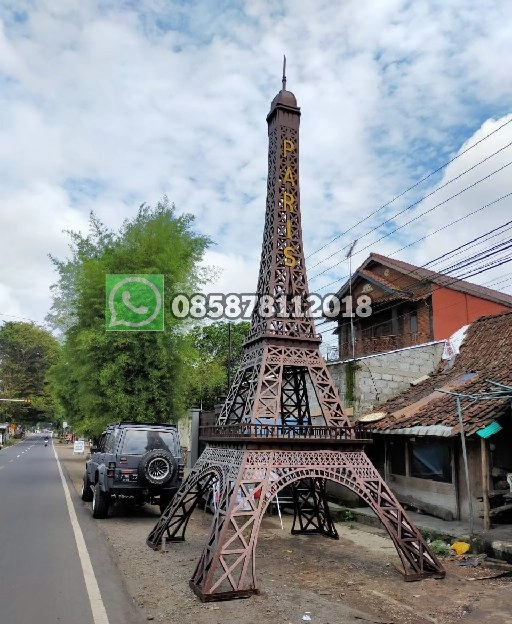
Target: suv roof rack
(133, 423)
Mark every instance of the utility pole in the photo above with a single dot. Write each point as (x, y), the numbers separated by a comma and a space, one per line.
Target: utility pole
(352, 332)
(229, 354)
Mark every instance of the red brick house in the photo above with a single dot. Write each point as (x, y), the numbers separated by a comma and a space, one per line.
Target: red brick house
(410, 305)
(417, 441)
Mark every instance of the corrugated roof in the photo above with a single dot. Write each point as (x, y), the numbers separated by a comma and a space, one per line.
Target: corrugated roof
(434, 430)
(484, 355)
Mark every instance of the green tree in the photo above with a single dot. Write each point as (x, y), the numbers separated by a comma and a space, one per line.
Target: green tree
(142, 376)
(26, 354)
(217, 352)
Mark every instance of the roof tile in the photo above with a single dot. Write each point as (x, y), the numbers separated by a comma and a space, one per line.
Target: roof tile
(485, 353)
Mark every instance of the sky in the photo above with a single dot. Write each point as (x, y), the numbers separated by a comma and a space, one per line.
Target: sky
(105, 105)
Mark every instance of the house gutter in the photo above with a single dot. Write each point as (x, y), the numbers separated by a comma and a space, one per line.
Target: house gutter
(440, 431)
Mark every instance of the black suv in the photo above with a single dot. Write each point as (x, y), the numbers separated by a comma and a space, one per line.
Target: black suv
(137, 461)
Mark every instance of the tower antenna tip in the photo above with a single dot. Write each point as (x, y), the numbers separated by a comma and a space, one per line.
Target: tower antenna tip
(284, 72)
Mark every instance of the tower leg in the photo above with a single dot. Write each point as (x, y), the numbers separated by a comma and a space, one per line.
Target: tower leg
(359, 475)
(247, 480)
(311, 509)
(173, 522)
(241, 393)
(226, 569)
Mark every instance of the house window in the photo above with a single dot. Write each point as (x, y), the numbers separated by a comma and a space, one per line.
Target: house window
(397, 457)
(430, 459)
(383, 329)
(413, 320)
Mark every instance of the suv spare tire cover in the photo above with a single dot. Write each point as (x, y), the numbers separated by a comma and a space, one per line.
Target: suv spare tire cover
(157, 467)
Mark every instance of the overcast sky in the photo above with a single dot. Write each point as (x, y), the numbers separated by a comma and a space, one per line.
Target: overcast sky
(105, 105)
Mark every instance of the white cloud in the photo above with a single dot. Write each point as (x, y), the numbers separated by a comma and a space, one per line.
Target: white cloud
(105, 106)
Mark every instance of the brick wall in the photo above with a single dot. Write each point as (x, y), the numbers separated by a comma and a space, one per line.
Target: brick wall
(453, 309)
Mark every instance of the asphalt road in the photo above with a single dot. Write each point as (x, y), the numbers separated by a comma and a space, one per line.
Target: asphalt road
(54, 564)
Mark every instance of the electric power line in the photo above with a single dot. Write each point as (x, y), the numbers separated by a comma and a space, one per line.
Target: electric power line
(410, 188)
(459, 250)
(444, 227)
(467, 188)
(476, 271)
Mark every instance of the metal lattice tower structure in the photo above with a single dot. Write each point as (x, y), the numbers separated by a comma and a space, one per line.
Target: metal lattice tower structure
(282, 424)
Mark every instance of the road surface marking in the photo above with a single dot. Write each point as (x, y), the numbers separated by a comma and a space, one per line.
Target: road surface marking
(18, 456)
(99, 614)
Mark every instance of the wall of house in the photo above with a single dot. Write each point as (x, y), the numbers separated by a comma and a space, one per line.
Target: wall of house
(431, 497)
(188, 428)
(448, 501)
(452, 310)
(379, 333)
(380, 377)
(402, 335)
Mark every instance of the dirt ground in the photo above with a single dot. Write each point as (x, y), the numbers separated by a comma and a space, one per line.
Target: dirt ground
(349, 581)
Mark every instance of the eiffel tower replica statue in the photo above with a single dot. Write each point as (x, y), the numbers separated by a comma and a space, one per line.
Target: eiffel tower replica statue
(282, 423)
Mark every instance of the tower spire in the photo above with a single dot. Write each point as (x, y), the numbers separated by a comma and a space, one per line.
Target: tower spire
(284, 72)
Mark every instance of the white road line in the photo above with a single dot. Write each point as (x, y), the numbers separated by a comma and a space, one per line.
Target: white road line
(99, 613)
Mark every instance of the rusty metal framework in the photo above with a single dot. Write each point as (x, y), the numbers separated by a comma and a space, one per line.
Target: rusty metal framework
(261, 391)
(247, 481)
(282, 424)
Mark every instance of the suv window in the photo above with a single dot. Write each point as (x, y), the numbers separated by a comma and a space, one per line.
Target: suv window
(109, 441)
(137, 442)
(101, 443)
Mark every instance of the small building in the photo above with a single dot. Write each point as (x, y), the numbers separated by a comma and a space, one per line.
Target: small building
(417, 436)
(410, 305)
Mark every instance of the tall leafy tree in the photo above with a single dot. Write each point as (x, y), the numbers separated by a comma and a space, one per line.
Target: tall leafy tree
(217, 352)
(26, 354)
(142, 376)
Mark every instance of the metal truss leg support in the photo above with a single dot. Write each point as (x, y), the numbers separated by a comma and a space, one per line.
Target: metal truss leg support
(311, 509)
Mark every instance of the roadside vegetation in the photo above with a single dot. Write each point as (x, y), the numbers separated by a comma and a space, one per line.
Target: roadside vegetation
(26, 354)
(104, 376)
(217, 349)
(90, 377)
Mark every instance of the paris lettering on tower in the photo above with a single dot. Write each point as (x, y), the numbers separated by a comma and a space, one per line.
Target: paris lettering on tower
(288, 202)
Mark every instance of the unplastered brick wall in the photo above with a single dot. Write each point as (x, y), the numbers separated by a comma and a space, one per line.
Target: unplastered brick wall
(377, 378)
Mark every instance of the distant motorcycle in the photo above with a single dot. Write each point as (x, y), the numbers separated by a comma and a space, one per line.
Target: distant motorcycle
(46, 441)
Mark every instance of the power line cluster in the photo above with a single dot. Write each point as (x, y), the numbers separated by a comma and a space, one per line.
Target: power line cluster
(391, 220)
(469, 265)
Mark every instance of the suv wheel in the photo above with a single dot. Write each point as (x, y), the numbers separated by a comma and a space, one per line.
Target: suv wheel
(86, 494)
(100, 503)
(157, 467)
